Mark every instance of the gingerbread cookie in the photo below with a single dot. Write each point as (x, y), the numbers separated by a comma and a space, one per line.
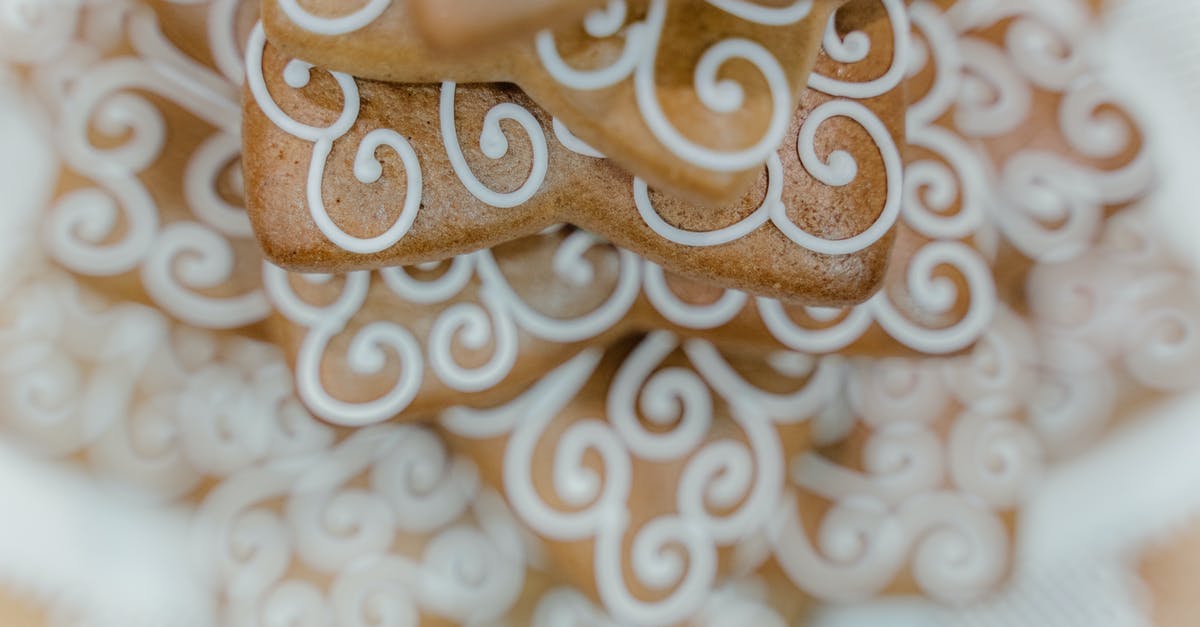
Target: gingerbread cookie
(404, 342)
(1016, 142)
(586, 456)
(382, 184)
(465, 27)
(692, 96)
(141, 109)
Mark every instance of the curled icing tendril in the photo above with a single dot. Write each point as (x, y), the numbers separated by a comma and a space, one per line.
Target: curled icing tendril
(1046, 56)
(859, 548)
(721, 96)
(570, 261)
(852, 49)
(690, 315)
(339, 25)
(188, 255)
(367, 168)
(597, 505)
(494, 144)
(657, 560)
(994, 458)
(716, 237)
(821, 340)
(960, 549)
(955, 172)
(674, 397)
(638, 57)
(109, 98)
(599, 23)
(200, 184)
(993, 99)
(1091, 129)
(840, 170)
(727, 473)
(425, 485)
(80, 222)
(576, 329)
(931, 186)
(933, 295)
(475, 326)
(856, 46)
(438, 290)
(767, 15)
(365, 354)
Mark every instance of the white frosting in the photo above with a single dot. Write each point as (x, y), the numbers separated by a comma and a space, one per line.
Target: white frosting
(494, 144)
(638, 59)
(856, 46)
(336, 25)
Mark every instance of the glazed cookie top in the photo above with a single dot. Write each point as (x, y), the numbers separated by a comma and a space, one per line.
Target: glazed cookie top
(692, 96)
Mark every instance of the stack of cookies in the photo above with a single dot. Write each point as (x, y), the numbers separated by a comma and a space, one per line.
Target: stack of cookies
(483, 164)
(523, 217)
(640, 270)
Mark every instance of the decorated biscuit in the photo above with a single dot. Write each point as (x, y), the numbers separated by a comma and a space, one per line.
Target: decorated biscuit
(692, 96)
(368, 347)
(1015, 140)
(466, 27)
(396, 178)
(662, 452)
(141, 109)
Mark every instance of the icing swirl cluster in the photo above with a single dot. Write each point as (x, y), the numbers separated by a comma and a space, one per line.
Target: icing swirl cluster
(116, 119)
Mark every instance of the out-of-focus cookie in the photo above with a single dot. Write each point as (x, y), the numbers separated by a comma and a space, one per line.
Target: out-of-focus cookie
(141, 110)
(468, 27)
(404, 342)
(1018, 141)
(692, 96)
(663, 451)
(388, 181)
